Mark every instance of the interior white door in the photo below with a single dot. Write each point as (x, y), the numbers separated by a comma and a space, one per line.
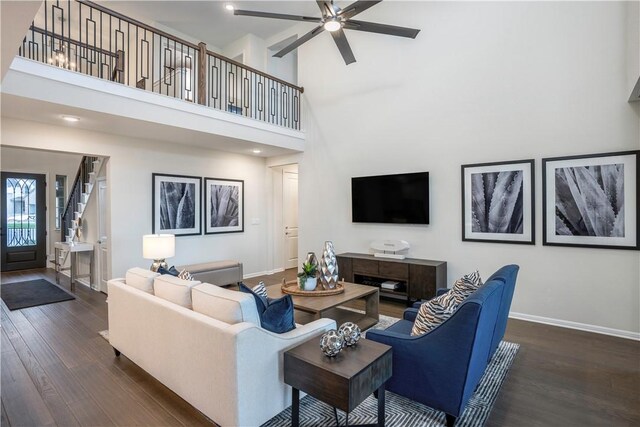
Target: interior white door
(102, 246)
(290, 216)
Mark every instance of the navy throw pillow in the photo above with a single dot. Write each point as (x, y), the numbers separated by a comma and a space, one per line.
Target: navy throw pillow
(276, 315)
(171, 271)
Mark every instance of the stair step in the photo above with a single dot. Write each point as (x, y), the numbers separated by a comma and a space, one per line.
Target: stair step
(88, 187)
(84, 198)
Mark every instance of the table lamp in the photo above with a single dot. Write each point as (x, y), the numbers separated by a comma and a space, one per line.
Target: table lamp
(158, 247)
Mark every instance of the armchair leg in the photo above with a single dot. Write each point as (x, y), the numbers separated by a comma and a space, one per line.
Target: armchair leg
(451, 420)
(116, 351)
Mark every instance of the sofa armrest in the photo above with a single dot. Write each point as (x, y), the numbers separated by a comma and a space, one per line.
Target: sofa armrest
(305, 331)
(410, 314)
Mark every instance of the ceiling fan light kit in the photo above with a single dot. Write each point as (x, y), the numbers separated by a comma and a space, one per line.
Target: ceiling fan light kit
(335, 21)
(332, 25)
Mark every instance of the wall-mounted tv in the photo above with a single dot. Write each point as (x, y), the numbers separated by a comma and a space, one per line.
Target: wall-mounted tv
(397, 199)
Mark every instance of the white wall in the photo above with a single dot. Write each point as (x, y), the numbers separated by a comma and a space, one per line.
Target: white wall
(131, 163)
(482, 82)
(48, 163)
(252, 48)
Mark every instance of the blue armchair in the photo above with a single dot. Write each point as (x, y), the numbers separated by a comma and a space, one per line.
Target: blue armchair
(508, 274)
(442, 368)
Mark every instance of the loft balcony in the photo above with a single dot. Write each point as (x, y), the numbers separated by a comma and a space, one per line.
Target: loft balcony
(144, 65)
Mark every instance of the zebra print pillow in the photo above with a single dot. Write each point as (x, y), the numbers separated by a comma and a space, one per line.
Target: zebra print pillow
(185, 275)
(260, 289)
(433, 312)
(465, 286)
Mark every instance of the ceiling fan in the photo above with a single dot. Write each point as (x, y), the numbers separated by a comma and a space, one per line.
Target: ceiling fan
(336, 20)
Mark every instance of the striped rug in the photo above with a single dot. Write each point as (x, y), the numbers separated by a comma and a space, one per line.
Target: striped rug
(402, 412)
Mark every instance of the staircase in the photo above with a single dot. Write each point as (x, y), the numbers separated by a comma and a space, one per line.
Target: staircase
(71, 222)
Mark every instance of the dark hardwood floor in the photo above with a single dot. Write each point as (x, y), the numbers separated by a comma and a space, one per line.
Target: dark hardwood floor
(57, 370)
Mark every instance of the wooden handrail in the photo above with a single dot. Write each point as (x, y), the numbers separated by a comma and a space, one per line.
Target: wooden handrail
(253, 70)
(184, 42)
(70, 41)
(136, 22)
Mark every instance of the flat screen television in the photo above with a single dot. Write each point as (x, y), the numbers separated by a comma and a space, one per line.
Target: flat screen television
(397, 199)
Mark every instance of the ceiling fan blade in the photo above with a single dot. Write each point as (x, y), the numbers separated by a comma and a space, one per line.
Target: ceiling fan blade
(356, 8)
(276, 16)
(326, 7)
(372, 27)
(311, 34)
(343, 45)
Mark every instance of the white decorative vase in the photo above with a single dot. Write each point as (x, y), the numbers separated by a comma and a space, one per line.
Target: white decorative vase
(328, 267)
(310, 284)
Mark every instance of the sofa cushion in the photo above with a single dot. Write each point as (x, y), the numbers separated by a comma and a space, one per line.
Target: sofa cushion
(276, 315)
(141, 278)
(224, 304)
(433, 312)
(465, 286)
(174, 289)
(172, 271)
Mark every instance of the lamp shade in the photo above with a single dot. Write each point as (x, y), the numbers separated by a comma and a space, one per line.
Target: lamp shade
(158, 246)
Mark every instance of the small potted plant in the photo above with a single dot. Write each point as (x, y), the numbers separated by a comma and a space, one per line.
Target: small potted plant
(307, 279)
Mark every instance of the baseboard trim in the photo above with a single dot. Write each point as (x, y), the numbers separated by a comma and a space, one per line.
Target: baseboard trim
(576, 325)
(263, 273)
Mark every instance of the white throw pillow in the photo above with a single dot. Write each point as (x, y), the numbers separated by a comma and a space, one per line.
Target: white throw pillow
(224, 304)
(174, 289)
(141, 278)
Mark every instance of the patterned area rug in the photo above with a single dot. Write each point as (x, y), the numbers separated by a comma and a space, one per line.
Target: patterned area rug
(402, 412)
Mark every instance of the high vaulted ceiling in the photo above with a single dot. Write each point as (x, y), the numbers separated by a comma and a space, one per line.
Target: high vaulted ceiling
(208, 21)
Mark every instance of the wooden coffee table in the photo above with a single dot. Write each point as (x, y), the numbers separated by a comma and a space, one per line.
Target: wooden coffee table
(343, 381)
(329, 306)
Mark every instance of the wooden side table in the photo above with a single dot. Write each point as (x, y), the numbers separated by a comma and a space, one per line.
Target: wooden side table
(343, 381)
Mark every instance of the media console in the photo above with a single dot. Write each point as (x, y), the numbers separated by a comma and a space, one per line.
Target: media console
(417, 278)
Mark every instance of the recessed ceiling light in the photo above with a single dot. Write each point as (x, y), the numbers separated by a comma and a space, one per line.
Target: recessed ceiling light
(256, 151)
(70, 119)
(229, 7)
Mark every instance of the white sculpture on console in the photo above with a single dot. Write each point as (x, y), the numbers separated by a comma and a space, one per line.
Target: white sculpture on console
(395, 249)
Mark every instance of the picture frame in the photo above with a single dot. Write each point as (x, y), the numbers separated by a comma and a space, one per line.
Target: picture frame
(228, 195)
(590, 201)
(498, 202)
(176, 204)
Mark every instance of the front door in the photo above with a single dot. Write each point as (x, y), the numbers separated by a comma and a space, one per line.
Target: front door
(23, 221)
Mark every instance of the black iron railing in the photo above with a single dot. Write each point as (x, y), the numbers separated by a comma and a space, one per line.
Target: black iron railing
(83, 177)
(83, 36)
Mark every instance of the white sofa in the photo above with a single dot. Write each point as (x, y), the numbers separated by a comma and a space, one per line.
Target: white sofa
(228, 367)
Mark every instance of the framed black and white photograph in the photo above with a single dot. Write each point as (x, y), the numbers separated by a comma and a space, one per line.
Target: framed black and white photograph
(498, 202)
(224, 206)
(177, 204)
(591, 201)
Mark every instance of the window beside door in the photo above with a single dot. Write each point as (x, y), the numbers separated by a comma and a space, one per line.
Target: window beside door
(61, 197)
